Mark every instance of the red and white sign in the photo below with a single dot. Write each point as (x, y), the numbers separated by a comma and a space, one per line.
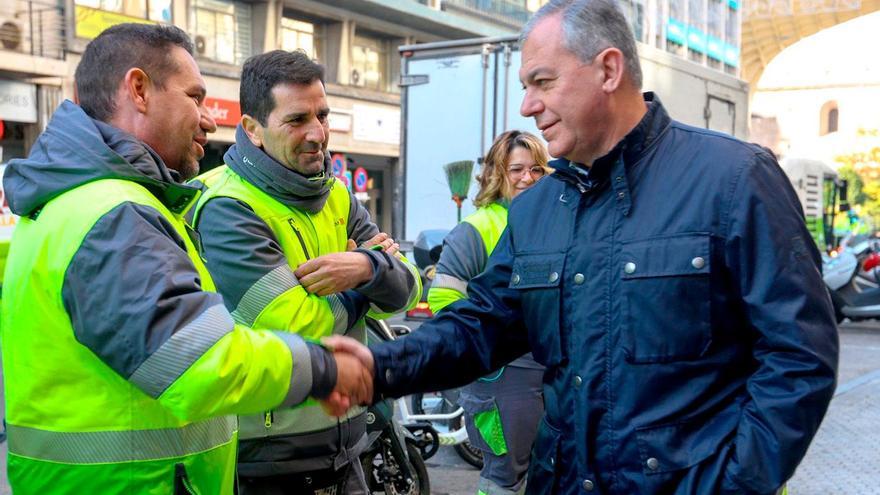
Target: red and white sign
(360, 179)
(8, 220)
(226, 113)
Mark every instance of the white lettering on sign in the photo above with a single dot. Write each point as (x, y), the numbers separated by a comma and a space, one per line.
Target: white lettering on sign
(18, 101)
(218, 113)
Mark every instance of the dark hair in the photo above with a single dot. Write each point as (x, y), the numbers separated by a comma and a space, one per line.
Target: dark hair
(263, 72)
(116, 50)
(590, 26)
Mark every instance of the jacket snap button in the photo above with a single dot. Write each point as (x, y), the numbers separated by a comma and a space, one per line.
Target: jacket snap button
(588, 485)
(620, 195)
(388, 376)
(577, 381)
(554, 277)
(653, 464)
(698, 262)
(629, 267)
(578, 278)
(515, 278)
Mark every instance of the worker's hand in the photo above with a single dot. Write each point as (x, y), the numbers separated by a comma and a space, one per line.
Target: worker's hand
(354, 385)
(385, 241)
(342, 344)
(334, 272)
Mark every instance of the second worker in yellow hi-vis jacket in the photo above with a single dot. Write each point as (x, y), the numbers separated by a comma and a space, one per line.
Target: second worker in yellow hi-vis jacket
(275, 227)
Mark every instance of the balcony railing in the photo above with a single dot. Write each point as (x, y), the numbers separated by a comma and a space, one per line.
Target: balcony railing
(511, 12)
(33, 27)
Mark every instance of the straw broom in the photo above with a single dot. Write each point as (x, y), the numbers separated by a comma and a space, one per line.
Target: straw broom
(458, 176)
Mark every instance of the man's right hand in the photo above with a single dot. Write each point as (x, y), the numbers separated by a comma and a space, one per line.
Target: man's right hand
(355, 370)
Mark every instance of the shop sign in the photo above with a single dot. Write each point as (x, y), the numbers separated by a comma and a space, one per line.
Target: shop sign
(91, 22)
(226, 113)
(18, 101)
(340, 120)
(376, 124)
(676, 31)
(696, 40)
(715, 48)
(7, 219)
(731, 55)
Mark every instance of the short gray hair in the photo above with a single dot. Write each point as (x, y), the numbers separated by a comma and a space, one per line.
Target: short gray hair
(590, 26)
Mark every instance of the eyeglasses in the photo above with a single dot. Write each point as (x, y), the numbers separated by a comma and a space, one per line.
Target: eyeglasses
(519, 171)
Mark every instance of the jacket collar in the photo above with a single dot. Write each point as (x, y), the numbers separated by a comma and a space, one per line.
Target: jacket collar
(625, 155)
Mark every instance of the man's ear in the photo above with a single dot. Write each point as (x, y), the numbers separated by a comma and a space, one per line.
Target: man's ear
(253, 129)
(613, 67)
(136, 86)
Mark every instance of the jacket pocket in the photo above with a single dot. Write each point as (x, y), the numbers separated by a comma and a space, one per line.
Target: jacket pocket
(542, 475)
(482, 413)
(692, 453)
(537, 277)
(666, 298)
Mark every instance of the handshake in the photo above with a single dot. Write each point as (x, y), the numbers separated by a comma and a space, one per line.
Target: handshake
(354, 375)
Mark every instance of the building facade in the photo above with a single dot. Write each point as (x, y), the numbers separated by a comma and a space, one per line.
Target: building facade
(356, 40)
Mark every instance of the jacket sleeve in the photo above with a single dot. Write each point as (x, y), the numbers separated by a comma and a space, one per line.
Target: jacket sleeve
(396, 285)
(136, 301)
(463, 258)
(475, 336)
(258, 284)
(777, 268)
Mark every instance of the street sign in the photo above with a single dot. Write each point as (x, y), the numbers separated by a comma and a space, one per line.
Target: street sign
(360, 179)
(338, 165)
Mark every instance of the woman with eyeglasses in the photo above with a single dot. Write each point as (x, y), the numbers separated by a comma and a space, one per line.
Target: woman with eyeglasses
(502, 410)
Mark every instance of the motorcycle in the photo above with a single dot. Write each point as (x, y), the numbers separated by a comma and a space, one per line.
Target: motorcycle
(426, 254)
(853, 280)
(393, 462)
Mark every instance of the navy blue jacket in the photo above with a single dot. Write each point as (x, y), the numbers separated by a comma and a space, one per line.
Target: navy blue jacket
(675, 297)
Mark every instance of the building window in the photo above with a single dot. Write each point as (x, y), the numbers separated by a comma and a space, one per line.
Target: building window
(634, 11)
(154, 10)
(301, 35)
(223, 30)
(731, 31)
(369, 62)
(828, 118)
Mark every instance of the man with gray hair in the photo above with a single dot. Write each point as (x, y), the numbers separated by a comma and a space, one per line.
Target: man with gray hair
(675, 298)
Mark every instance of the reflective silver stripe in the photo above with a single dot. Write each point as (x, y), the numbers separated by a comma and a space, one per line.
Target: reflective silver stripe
(340, 314)
(270, 286)
(301, 373)
(444, 281)
(179, 352)
(414, 293)
(93, 447)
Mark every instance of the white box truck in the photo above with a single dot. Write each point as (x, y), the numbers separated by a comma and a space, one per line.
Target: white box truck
(456, 96)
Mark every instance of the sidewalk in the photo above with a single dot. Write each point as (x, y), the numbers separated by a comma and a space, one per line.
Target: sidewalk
(844, 457)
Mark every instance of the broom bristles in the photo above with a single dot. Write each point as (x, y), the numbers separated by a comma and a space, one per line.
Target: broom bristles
(458, 176)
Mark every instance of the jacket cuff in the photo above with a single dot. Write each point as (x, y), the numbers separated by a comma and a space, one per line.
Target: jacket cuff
(376, 262)
(324, 371)
(301, 369)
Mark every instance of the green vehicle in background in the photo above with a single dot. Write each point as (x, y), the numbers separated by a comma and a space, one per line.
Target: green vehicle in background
(823, 195)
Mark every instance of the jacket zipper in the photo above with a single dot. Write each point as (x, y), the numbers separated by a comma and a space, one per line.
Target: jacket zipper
(270, 418)
(302, 242)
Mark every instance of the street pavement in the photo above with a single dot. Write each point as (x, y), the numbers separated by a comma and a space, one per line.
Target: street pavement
(842, 460)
